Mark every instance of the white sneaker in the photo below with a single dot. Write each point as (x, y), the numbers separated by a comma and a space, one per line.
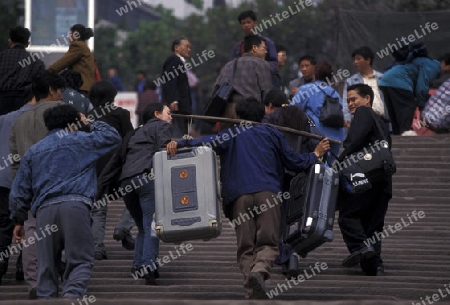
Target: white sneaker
(409, 133)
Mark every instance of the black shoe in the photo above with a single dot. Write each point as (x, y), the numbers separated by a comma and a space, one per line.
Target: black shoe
(138, 272)
(3, 269)
(256, 282)
(19, 275)
(150, 279)
(353, 259)
(119, 234)
(125, 237)
(156, 274)
(135, 269)
(100, 256)
(380, 271)
(32, 295)
(61, 270)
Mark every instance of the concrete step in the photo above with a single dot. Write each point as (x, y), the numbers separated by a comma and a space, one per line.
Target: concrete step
(416, 254)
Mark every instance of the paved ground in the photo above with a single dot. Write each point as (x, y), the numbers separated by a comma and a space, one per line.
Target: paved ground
(417, 257)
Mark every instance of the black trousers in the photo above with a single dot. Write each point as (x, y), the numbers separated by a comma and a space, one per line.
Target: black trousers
(11, 101)
(6, 225)
(401, 105)
(360, 216)
(180, 127)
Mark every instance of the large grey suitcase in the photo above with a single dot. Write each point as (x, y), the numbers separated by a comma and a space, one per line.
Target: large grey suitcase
(186, 195)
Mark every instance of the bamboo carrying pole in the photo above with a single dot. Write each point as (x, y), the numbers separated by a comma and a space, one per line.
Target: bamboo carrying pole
(238, 121)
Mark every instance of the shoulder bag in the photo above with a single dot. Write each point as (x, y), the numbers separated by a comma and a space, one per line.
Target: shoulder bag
(221, 96)
(331, 113)
(372, 164)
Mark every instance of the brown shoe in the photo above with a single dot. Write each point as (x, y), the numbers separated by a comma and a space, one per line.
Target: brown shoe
(256, 282)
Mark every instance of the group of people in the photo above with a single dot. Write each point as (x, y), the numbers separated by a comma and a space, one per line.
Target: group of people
(75, 147)
(370, 99)
(41, 110)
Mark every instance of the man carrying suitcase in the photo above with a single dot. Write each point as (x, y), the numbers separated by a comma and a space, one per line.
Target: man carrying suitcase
(252, 168)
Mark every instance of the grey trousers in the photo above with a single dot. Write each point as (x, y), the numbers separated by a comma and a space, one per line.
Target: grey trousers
(126, 222)
(98, 227)
(73, 233)
(29, 254)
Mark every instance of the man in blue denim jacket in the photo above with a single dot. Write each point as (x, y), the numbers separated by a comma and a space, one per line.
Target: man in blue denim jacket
(57, 182)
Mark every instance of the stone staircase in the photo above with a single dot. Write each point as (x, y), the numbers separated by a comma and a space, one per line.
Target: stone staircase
(417, 256)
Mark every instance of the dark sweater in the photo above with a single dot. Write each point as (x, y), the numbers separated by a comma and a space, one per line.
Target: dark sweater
(143, 145)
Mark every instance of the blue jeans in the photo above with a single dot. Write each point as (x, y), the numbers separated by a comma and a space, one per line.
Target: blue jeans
(141, 204)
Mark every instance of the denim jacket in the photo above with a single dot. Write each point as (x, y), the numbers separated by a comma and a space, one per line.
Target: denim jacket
(60, 167)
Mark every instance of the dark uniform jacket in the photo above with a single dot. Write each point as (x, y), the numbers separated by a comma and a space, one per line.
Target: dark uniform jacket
(364, 131)
(134, 155)
(176, 86)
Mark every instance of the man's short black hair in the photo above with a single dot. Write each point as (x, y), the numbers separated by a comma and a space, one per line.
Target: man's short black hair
(250, 109)
(401, 55)
(60, 117)
(362, 90)
(142, 72)
(149, 85)
(276, 97)
(20, 35)
(445, 58)
(365, 52)
(246, 14)
(250, 41)
(177, 42)
(73, 79)
(102, 92)
(45, 80)
(312, 60)
(280, 48)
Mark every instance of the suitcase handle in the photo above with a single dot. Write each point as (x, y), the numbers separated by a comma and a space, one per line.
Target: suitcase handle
(183, 153)
(188, 152)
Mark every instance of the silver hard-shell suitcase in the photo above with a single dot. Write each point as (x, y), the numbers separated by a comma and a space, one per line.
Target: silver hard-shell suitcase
(186, 195)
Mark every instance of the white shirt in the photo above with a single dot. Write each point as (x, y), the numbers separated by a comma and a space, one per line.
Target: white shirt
(377, 105)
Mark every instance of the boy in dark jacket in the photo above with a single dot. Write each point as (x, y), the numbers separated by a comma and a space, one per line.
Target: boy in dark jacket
(102, 96)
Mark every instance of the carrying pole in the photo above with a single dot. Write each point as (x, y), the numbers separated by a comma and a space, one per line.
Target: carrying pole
(239, 121)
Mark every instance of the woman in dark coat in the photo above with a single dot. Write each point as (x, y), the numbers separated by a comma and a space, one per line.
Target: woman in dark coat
(361, 216)
(136, 175)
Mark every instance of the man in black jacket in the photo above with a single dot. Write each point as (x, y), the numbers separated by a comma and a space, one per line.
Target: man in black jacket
(17, 69)
(361, 216)
(175, 88)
